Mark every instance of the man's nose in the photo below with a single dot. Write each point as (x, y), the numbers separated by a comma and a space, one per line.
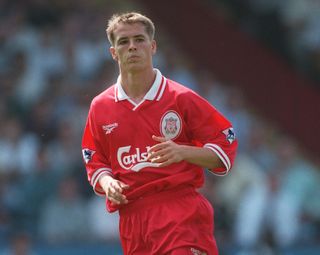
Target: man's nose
(132, 45)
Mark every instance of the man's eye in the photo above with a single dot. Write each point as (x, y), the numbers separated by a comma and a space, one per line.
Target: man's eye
(139, 39)
(122, 42)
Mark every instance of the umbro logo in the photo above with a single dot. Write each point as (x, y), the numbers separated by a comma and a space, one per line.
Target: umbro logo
(110, 127)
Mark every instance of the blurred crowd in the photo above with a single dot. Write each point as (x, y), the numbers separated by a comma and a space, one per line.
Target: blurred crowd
(291, 27)
(53, 60)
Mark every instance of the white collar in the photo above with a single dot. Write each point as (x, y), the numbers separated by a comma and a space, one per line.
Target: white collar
(155, 92)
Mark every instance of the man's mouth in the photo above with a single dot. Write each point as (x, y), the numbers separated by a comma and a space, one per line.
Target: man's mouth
(133, 57)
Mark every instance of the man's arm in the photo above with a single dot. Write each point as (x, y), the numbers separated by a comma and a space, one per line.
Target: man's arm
(167, 152)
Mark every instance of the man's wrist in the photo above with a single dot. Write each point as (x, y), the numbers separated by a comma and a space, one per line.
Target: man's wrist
(104, 180)
(186, 152)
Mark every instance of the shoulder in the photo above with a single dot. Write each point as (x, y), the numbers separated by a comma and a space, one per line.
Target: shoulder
(183, 93)
(179, 89)
(105, 97)
(188, 100)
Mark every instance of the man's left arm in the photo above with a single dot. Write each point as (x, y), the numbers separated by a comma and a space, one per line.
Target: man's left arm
(167, 152)
(214, 143)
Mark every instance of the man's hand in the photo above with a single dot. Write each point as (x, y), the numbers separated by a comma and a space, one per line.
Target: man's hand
(114, 189)
(165, 152)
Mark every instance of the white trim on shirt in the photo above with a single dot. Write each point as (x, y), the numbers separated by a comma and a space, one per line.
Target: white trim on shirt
(157, 86)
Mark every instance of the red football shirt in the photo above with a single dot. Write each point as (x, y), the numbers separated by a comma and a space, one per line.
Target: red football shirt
(119, 132)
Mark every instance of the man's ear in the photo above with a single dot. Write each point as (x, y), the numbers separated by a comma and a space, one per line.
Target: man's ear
(113, 53)
(154, 47)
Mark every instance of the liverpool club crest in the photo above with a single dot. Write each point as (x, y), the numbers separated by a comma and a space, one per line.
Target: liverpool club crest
(170, 126)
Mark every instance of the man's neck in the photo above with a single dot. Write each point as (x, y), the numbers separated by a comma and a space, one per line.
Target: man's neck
(137, 84)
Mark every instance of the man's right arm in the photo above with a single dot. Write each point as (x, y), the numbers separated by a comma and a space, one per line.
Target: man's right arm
(98, 167)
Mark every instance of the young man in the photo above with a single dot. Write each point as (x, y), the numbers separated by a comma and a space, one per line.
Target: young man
(145, 144)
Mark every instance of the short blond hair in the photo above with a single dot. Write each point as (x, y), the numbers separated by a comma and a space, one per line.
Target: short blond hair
(129, 18)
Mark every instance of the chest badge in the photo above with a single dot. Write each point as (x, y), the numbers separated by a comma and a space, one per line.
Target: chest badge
(170, 125)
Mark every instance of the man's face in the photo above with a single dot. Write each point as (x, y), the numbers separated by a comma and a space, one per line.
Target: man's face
(133, 48)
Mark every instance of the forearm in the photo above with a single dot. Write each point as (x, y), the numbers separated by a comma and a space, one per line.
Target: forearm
(104, 181)
(167, 152)
(200, 156)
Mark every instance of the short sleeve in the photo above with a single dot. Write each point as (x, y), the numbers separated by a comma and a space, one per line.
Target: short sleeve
(94, 155)
(210, 129)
